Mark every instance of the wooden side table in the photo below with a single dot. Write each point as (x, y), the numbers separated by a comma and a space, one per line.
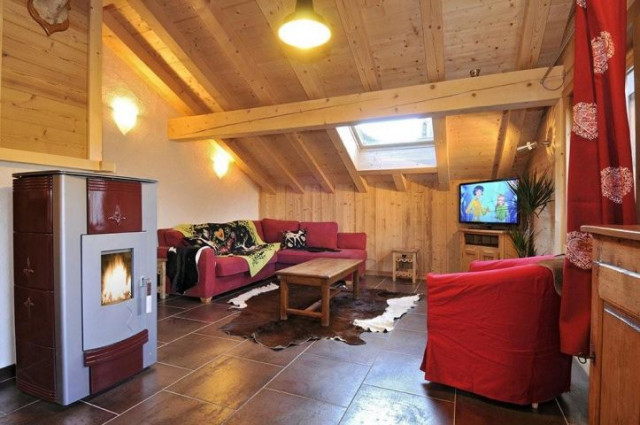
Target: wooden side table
(405, 264)
(162, 277)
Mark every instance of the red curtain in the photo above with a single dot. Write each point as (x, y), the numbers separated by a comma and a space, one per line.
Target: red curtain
(600, 186)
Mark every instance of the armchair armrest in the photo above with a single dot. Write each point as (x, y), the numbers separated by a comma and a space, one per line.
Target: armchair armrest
(481, 265)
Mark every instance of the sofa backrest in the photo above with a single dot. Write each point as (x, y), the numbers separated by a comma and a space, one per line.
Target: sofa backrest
(273, 229)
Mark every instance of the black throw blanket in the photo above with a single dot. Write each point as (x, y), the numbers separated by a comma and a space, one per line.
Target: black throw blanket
(182, 268)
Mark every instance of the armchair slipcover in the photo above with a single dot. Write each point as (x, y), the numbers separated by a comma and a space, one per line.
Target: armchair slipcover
(493, 331)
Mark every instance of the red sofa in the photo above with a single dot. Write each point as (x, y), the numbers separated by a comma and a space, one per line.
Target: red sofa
(494, 331)
(221, 274)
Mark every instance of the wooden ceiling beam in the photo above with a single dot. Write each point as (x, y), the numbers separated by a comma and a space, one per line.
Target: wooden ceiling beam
(118, 39)
(509, 139)
(442, 151)
(162, 25)
(350, 12)
(299, 146)
(275, 159)
(404, 171)
(358, 181)
(400, 182)
(433, 38)
(513, 90)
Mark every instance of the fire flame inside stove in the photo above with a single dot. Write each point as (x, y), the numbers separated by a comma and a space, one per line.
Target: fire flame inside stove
(116, 278)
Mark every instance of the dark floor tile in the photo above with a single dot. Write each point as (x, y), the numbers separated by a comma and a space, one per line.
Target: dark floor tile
(404, 287)
(207, 312)
(329, 380)
(181, 301)
(228, 381)
(7, 372)
(381, 406)
(407, 342)
(138, 388)
(412, 322)
(421, 288)
(194, 350)
(573, 403)
(258, 352)
(474, 410)
(276, 408)
(214, 329)
(53, 414)
(364, 354)
(167, 408)
(174, 327)
(11, 398)
(401, 372)
(165, 311)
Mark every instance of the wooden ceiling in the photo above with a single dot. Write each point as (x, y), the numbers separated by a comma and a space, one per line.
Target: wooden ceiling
(208, 56)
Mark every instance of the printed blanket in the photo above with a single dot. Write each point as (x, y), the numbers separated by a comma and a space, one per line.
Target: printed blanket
(238, 238)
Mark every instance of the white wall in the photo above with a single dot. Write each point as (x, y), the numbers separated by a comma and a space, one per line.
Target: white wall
(188, 190)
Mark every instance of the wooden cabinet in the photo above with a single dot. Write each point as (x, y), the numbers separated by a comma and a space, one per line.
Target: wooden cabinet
(478, 244)
(614, 379)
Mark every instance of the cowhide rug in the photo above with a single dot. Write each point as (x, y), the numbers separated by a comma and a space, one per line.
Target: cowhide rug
(261, 322)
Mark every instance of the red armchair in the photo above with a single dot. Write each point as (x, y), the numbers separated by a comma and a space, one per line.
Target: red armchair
(493, 331)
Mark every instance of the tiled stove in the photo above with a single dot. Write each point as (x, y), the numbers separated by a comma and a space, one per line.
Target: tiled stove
(84, 275)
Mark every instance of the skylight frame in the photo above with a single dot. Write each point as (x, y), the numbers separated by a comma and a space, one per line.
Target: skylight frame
(426, 141)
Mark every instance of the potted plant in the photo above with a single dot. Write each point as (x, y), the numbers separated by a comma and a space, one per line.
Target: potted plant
(534, 192)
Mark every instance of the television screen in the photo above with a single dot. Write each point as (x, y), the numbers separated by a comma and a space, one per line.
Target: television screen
(488, 202)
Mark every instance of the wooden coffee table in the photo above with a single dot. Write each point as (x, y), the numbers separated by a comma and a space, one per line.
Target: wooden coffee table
(320, 272)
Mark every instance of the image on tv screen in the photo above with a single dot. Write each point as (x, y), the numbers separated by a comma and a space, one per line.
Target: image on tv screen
(490, 202)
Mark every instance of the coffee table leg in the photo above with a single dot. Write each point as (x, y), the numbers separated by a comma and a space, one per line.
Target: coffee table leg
(356, 284)
(284, 299)
(326, 298)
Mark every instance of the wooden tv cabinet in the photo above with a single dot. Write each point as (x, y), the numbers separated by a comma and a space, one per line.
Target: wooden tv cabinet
(479, 244)
(614, 379)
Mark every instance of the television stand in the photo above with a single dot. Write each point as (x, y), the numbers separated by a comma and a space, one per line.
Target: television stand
(483, 244)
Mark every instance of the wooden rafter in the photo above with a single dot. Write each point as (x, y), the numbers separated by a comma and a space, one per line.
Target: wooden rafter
(534, 25)
(151, 12)
(299, 146)
(118, 39)
(275, 159)
(400, 182)
(512, 90)
(392, 171)
(154, 17)
(533, 28)
(511, 138)
(353, 24)
(357, 180)
(433, 38)
(442, 151)
(247, 167)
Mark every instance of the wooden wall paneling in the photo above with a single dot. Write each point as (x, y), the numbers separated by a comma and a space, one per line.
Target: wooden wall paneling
(438, 231)
(50, 90)
(561, 144)
(345, 209)
(453, 243)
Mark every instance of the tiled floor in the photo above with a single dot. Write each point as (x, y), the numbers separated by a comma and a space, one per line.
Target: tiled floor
(204, 376)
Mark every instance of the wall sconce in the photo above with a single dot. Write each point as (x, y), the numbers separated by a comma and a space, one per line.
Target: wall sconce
(221, 161)
(125, 113)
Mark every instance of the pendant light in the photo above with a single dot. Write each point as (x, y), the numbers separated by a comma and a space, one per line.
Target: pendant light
(304, 28)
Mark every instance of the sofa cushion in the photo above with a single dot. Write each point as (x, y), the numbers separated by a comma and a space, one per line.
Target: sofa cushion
(294, 239)
(273, 229)
(323, 234)
(295, 256)
(352, 240)
(230, 265)
(171, 237)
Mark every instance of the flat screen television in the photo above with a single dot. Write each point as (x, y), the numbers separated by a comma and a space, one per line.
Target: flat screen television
(491, 203)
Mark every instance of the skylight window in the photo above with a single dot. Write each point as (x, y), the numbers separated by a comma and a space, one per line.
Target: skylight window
(406, 131)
